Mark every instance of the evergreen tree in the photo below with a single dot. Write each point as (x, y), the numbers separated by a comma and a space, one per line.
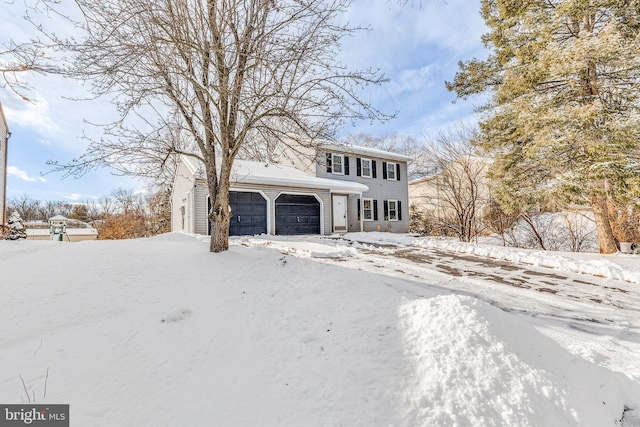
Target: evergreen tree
(563, 120)
(17, 231)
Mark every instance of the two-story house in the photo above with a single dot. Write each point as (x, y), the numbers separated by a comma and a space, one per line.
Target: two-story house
(331, 188)
(384, 206)
(4, 144)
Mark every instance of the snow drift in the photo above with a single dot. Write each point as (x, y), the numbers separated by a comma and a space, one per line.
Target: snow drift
(159, 332)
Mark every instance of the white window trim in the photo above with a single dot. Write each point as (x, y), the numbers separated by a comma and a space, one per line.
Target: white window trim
(389, 210)
(395, 170)
(370, 168)
(333, 163)
(363, 217)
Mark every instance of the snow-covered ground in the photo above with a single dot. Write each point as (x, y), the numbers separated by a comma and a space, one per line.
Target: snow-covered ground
(365, 329)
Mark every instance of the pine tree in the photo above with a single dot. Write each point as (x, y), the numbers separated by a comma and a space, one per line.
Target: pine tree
(563, 120)
(17, 230)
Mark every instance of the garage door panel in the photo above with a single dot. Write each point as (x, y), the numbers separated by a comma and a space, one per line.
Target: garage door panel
(248, 213)
(297, 214)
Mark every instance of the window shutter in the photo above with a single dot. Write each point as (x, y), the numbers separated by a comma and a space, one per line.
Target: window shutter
(358, 209)
(373, 167)
(399, 210)
(375, 210)
(358, 166)
(328, 162)
(386, 210)
(398, 171)
(384, 170)
(346, 165)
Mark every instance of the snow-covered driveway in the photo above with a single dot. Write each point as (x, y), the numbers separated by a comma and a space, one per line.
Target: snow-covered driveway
(595, 317)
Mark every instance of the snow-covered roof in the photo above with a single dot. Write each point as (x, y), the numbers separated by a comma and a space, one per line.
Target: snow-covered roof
(58, 218)
(365, 151)
(249, 172)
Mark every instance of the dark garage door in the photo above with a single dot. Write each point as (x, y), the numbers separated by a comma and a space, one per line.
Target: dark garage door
(297, 214)
(248, 214)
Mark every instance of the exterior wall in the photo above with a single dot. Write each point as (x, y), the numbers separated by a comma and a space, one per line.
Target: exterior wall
(296, 155)
(4, 137)
(380, 189)
(271, 192)
(200, 208)
(432, 195)
(424, 194)
(180, 196)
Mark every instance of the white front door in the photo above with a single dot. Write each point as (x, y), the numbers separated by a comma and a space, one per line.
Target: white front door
(339, 213)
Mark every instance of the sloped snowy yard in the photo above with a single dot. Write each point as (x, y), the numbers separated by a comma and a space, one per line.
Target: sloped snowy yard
(159, 332)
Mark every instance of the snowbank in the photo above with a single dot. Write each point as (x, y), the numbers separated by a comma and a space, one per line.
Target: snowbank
(477, 365)
(615, 266)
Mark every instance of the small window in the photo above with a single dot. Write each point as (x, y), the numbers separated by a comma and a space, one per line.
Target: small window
(391, 171)
(367, 209)
(337, 164)
(366, 168)
(393, 210)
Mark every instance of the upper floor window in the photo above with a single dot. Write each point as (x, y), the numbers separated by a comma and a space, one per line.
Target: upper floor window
(392, 171)
(366, 168)
(337, 164)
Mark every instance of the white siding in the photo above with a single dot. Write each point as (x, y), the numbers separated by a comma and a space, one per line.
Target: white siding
(380, 189)
(182, 186)
(290, 153)
(200, 209)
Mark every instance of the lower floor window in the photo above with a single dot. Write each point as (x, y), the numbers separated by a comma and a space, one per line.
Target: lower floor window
(367, 209)
(393, 210)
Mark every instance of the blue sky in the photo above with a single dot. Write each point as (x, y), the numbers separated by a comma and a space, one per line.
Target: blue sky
(417, 48)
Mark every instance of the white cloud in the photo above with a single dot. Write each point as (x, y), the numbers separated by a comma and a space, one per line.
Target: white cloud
(73, 196)
(20, 174)
(412, 80)
(35, 115)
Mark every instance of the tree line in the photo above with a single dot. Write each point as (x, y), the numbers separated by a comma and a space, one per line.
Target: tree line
(122, 214)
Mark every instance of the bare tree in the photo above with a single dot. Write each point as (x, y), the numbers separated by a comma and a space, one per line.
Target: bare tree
(37, 54)
(497, 220)
(47, 209)
(580, 233)
(454, 187)
(407, 145)
(26, 207)
(224, 76)
(130, 215)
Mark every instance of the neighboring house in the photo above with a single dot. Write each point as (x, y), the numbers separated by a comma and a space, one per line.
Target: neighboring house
(334, 190)
(457, 192)
(4, 143)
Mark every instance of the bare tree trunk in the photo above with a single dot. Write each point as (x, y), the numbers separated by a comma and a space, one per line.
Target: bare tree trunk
(220, 218)
(603, 225)
(527, 219)
(220, 215)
